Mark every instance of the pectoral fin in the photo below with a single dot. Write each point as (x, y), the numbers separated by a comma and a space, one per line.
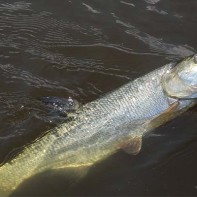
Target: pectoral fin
(170, 111)
(172, 107)
(134, 145)
(165, 116)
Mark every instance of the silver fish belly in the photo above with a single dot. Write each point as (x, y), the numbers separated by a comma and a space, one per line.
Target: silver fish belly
(97, 130)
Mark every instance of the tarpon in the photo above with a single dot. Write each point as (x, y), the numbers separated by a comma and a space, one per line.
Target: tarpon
(102, 127)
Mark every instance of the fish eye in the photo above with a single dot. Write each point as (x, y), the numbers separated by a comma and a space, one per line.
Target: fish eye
(195, 58)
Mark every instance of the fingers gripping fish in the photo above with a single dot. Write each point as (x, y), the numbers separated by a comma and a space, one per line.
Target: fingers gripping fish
(100, 128)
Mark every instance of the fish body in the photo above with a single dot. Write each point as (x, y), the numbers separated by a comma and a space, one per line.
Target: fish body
(100, 128)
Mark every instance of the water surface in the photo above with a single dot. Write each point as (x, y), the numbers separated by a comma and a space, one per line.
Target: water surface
(84, 49)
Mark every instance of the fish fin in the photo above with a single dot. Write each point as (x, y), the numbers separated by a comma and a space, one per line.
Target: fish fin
(134, 145)
(167, 115)
(171, 100)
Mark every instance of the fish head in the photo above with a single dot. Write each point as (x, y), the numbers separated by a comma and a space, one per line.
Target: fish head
(181, 80)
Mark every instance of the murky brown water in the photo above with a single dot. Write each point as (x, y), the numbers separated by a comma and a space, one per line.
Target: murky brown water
(84, 49)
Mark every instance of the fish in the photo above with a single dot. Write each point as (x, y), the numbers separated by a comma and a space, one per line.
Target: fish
(115, 121)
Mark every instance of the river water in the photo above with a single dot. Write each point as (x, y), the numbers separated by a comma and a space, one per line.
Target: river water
(84, 49)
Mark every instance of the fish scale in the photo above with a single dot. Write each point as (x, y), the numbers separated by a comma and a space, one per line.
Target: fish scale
(97, 130)
(109, 113)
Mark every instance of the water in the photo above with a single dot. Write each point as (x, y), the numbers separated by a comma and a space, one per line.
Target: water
(83, 49)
